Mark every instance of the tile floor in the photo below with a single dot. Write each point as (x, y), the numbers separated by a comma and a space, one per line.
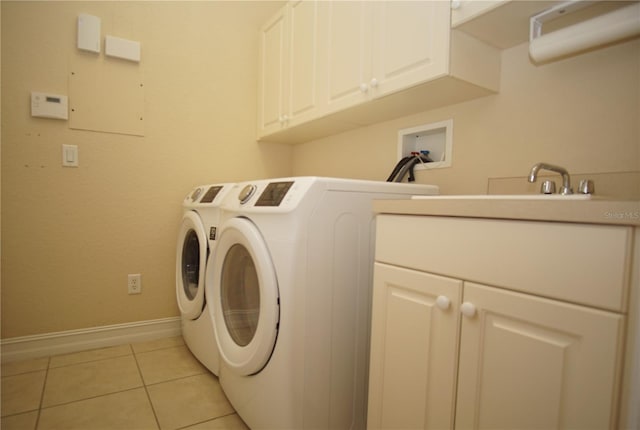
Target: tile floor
(151, 385)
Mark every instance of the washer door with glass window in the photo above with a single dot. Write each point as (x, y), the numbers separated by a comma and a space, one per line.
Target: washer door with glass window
(245, 306)
(191, 259)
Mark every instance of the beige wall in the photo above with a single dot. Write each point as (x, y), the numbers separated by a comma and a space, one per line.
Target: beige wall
(582, 113)
(70, 236)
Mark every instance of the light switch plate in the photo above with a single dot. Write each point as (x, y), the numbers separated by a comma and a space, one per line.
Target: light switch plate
(70, 155)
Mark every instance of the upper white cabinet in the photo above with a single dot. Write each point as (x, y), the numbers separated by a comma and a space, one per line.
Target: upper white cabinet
(272, 68)
(288, 67)
(330, 66)
(377, 48)
(411, 44)
(348, 47)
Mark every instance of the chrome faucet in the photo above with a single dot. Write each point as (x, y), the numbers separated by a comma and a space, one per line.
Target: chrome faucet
(566, 181)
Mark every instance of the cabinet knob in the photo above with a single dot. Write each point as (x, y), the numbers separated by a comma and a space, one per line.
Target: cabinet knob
(374, 83)
(443, 302)
(364, 87)
(283, 119)
(468, 309)
(455, 4)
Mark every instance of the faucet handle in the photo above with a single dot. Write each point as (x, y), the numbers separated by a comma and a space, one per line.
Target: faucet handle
(586, 186)
(548, 187)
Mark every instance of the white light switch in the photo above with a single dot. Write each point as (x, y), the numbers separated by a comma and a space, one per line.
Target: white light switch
(70, 155)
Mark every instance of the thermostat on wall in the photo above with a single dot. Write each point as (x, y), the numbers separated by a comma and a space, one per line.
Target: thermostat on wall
(49, 105)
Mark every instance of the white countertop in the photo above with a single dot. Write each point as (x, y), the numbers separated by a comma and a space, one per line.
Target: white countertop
(591, 211)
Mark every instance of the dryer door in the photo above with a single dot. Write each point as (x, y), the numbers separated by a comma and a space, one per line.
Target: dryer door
(245, 297)
(191, 260)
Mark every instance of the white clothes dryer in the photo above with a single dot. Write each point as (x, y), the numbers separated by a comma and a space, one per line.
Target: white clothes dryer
(196, 242)
(290, 297)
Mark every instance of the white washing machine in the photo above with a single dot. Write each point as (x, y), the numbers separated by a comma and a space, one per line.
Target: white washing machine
(290, 293)
(196, 242)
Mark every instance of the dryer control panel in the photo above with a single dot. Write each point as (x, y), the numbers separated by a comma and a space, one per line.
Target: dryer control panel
(274, 193)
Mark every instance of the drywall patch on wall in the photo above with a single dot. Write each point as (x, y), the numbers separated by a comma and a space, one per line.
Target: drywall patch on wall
(106, 95)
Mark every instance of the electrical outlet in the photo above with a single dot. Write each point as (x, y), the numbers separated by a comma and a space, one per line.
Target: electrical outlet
(134, 284)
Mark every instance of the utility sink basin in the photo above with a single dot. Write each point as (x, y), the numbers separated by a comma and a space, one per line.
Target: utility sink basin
(506, 197)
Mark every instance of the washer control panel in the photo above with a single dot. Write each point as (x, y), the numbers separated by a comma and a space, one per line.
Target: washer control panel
(207, 195)
(211, 194)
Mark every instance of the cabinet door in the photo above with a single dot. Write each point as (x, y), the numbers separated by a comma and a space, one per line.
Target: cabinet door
(272, 78)
(528, 362)
(413, 349)
(347, 34)
(411, 44)
(303, 64)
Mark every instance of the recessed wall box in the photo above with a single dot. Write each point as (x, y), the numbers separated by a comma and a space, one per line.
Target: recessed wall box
(45, 105)
(89, 33)
(435, 138)
(122, 48)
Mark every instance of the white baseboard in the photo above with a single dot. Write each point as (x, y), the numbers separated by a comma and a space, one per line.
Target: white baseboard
(28, 347)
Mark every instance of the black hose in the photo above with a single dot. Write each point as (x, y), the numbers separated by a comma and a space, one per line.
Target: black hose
(406, 165)
(398, 167)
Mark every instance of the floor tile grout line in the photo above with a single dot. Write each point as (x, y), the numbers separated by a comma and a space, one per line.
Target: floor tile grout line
(152, 384)
(157, 349)
(23, 373)
(206, 421)
(16, 414)
(131, 352)
(44, 387)
(97, 396)
(49, 358)
(91, 361)
(144, 384)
